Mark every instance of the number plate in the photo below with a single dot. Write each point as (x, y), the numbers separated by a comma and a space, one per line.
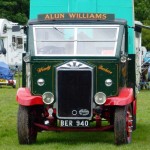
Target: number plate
(2, 80)
(74, 123)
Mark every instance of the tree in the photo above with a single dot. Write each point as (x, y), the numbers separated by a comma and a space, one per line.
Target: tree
(15, 10)
(142, 13)
(142, 10)
(146, 36)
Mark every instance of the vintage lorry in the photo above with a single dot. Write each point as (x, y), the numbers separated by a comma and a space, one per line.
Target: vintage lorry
(79, 69)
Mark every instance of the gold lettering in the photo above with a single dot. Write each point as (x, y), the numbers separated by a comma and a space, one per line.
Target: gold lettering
(101, 16)
(72, 16)
(54, 16)
(46, 17)
(98, 16)
(87, 15)
(92, 16)
(104, 16)
(42, 69)
(62, 16)
(104, 69)
(76, 16)
(51, 16)
(84, 16)
(80, 16)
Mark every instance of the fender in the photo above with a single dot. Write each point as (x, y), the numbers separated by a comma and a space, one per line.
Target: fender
(25, 98)
(125, 97)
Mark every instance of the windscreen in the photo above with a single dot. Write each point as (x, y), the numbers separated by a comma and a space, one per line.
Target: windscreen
(75, 40)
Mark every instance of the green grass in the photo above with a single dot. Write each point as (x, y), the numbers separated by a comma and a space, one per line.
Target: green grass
(71, 140)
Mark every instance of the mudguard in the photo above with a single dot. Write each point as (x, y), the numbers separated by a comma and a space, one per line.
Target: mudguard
(125, 97)
(25, 98)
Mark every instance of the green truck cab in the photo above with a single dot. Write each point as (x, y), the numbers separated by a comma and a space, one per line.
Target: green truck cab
(78, 70)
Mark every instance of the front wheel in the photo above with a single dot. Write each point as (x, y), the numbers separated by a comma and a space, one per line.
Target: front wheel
(27, 132)
(123, 125)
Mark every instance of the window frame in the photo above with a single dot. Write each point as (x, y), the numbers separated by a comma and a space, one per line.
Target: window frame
(76, 27)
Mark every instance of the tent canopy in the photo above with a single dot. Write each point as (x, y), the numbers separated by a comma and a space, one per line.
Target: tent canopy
(5, 72)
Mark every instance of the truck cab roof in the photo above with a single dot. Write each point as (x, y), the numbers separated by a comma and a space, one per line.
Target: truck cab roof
(116, 21)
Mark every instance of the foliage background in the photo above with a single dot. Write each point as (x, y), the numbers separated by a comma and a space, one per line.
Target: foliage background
(15, 10)
(18, 11)
(142, 13)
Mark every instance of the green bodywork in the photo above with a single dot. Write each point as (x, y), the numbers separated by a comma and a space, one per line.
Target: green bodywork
(104, 67)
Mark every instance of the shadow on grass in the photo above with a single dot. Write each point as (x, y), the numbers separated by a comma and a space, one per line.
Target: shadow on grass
(72, 138)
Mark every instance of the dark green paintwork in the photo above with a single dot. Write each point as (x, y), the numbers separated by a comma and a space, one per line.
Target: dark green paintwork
(47, 75)
(100, 75)
(110, 64)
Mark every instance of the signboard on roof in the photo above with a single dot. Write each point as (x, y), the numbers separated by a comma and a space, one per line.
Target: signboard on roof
(76, 16)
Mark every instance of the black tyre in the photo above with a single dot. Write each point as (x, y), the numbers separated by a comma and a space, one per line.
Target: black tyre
(112, 116)
(27, 132)
(123, 125)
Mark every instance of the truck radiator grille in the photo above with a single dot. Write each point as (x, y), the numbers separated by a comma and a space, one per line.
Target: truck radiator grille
(74, 93)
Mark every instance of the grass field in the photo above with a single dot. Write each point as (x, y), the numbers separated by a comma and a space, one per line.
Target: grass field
(71, 140)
